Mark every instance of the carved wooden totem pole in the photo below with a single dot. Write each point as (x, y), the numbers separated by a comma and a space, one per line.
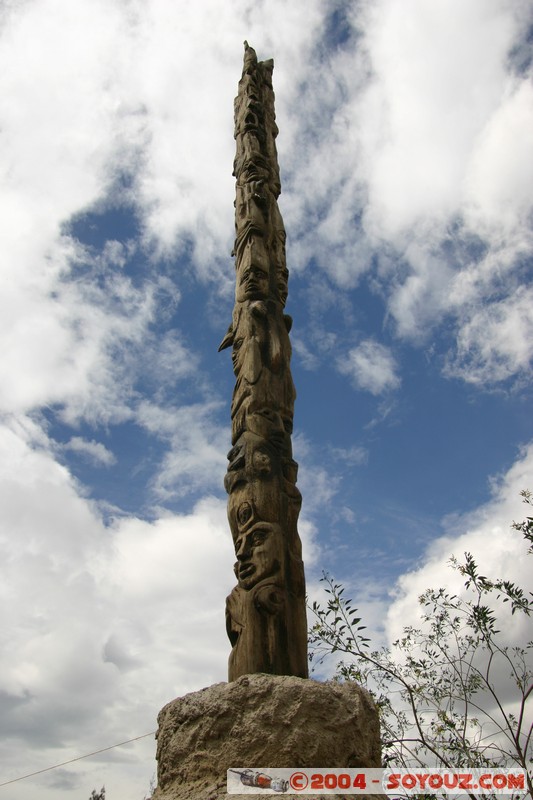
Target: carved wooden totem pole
(265, 612)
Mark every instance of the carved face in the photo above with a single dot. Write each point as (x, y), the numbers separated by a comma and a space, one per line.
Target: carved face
(250, 216)
(251, 459)
(259, 554)
(251, 169)
(253, 283)
(265, 422)
(253, 271)
(261, 462)
(270, 424)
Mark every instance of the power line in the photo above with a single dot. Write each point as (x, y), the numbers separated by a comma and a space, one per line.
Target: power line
(79, 758)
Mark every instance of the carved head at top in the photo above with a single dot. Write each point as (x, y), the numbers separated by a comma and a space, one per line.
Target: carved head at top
(250, 58)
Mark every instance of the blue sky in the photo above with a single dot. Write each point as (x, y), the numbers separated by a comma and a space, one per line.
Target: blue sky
(405, 147)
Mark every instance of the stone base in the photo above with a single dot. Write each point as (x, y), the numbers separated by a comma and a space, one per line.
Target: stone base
(261, 721)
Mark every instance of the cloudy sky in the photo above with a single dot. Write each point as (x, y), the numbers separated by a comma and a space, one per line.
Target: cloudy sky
(406, 154)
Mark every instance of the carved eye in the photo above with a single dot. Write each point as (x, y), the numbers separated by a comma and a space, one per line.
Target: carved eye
(259, 537)
(244, 513)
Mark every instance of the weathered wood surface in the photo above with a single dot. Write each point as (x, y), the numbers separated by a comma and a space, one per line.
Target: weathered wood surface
(265, 612)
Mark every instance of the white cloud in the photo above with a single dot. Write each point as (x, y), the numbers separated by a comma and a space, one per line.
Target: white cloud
(103, 625)
(421, 299)
(187, 92)
(88, 96)
(306, 357)
(94, 451)
(196, 458)
(433, 106)
(93, 616)
(496, 341)
(419, 172)
(317, 484)
(486, 533)
(67, 133)
(62, 139)
(352, 456)
(371, 366)
(500, 173)
(500, 553)
(394, 146)
(455, 143)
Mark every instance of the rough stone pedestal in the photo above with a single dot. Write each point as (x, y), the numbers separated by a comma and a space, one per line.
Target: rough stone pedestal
(261, 721)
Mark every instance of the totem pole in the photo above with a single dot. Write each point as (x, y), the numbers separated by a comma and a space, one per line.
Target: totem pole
(265, 612)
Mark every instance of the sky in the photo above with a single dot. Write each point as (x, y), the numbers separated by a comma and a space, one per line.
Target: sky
(406, 157)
